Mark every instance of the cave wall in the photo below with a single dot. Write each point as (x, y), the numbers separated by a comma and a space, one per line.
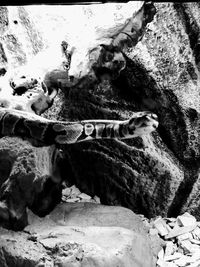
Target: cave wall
(158, 174)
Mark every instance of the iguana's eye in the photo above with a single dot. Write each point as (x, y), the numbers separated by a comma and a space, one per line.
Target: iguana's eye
(12, 84)
(66, 66)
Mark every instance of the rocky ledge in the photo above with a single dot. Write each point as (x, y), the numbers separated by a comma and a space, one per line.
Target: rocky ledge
(80, 234)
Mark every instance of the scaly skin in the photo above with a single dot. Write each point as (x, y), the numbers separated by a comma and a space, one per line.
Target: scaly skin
(48, 132)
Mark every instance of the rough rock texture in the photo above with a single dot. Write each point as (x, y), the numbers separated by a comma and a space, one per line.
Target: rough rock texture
(79, 235)
(156, 175)
(73, 235)
(160, 175)
(166, 59)
(29, 178)
(25, 34)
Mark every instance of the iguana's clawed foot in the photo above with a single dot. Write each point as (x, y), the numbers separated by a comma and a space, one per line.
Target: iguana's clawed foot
(143, 123)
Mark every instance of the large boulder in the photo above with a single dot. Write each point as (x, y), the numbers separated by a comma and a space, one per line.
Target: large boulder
(80, 235)
(29, 178)
(158, 175)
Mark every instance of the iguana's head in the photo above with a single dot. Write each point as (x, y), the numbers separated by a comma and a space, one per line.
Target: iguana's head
(101, 60)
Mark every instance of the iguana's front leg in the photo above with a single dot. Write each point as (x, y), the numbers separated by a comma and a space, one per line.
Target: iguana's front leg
(48, 132)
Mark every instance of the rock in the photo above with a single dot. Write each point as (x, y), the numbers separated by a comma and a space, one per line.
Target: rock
(170, 71)
(169, 249)
(186, 219)
(72, 200)
(102, 246)
(192, 203)
(179, 249)
(26, 33)
(29, 178)
(66, 192)
(96, 199)
(185, 236)
(180, 231)
(196, 233)
(74, 234)
(173, 257)
(183, 261)
(153, 231)
(195, 264)
(75, 191)
(84, 214)
(161, 226)
(138, 167)
(84, 196)
(195, 241)
(17, 249)
(158, 175)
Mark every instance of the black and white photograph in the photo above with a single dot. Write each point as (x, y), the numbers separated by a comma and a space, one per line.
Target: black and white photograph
(99, 133)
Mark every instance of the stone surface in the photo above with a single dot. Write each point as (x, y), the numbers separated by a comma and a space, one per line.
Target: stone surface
(182, 243)
(28, 179)
(79, 235)
(154, 175)
(170, 86)
(90, 214)
(26, 32)
(158, 175)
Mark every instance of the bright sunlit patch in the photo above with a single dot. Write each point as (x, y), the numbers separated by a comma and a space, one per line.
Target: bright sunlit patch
(84, 27)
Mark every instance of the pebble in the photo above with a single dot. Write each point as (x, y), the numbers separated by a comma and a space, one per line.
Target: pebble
(182, 241)
(73, 194)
